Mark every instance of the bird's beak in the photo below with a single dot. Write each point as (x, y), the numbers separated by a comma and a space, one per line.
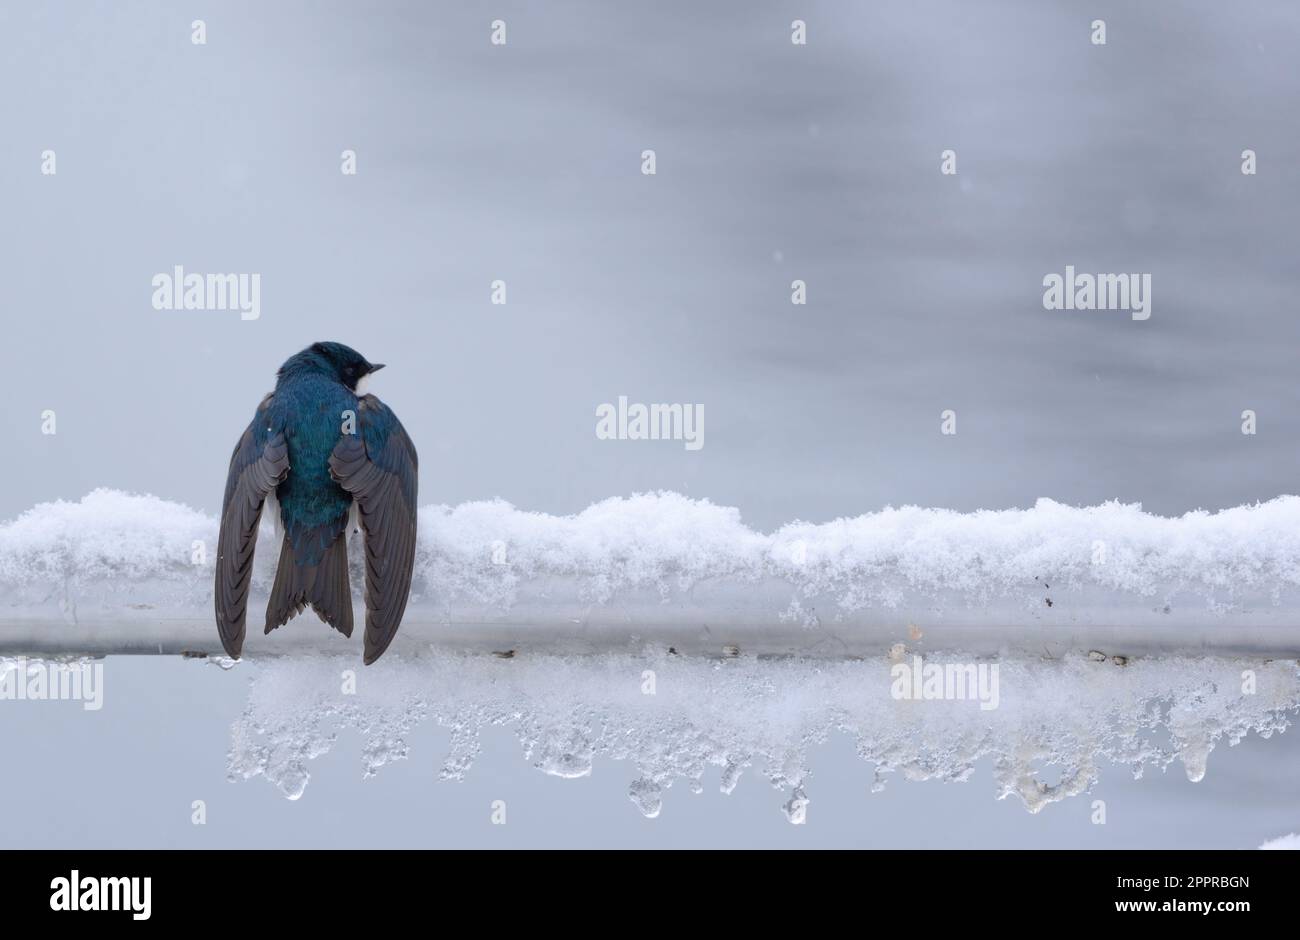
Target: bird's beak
(376, 366)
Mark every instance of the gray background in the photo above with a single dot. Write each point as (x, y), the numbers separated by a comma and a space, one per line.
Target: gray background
(775, 162)
(523, 163)
(128, 774)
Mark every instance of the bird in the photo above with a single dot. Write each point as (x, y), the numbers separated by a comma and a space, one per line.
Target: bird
(318, 449)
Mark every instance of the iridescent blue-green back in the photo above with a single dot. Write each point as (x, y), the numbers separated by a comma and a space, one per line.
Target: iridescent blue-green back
(314, 509)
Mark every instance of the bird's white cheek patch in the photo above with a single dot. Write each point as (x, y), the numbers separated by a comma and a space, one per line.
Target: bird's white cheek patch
(363, 384)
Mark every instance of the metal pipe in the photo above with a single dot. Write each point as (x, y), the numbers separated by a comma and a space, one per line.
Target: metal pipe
(717, 617)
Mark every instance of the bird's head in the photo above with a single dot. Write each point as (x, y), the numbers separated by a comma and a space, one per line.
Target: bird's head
(334, 359)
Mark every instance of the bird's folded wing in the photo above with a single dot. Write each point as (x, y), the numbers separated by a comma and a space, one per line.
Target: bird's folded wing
(260, 462)
(379, 467)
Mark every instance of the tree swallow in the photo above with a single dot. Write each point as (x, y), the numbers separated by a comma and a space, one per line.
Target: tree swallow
(319, 446)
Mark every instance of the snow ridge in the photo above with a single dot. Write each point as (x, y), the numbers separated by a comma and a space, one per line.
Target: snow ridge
(116, 549)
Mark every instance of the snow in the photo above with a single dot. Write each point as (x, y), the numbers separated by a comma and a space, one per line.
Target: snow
(108, 541)
(121, 552)
(673, 719)
(1291, 841)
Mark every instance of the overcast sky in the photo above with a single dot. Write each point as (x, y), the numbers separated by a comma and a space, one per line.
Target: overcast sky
(522, 163)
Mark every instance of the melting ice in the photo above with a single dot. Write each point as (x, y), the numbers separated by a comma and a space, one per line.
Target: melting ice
(672, 719)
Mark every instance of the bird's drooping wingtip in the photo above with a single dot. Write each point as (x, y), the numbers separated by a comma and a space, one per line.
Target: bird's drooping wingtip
(377, 646)
(234, 647)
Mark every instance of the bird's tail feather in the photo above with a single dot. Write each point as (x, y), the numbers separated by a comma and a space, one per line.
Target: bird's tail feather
(323, 587)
